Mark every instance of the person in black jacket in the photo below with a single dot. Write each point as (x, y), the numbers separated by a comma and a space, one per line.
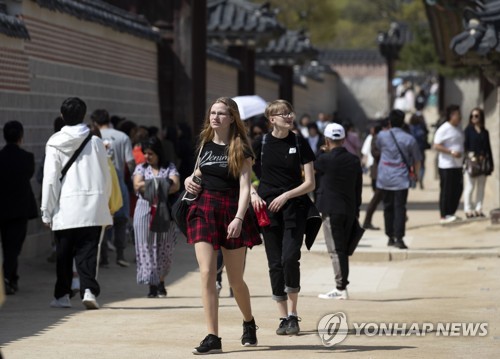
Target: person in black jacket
(476, 145)
(18, 201)
(339, 199)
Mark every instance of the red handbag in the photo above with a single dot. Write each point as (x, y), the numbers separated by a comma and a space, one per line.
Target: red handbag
(262, 217)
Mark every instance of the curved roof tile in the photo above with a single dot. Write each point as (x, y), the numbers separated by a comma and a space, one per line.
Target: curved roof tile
(13, 27)
(240, 21)
(293, 47)
(105, 14)
(352, 57)
(220, 55)
(482, 30)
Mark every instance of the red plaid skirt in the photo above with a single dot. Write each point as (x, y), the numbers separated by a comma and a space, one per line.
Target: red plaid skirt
(210, 215)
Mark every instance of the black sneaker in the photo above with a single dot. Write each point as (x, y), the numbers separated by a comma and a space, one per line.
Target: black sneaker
(162, 292)
(390, 243)
(9, 288)
(293, 325)
(249, 337)
(283, 325)
(210, 345)
(153, 291)
(399, 243)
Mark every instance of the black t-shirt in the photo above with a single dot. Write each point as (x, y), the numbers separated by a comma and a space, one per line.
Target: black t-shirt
(215, 169)
(281, 161)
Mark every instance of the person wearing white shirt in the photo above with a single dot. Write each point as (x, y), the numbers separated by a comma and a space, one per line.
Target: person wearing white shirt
(449, 142)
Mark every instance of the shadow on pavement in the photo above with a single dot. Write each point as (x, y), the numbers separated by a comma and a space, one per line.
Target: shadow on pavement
(27, 313)
(320, 349)
(401, 299)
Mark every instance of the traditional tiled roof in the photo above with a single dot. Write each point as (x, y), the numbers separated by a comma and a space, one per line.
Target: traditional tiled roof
(240, 22)
(12, 26)
(104, 14)
(291, 48)
(315, 70)
(482, 29)
(266, 72)
(220, 55)
(351, 57)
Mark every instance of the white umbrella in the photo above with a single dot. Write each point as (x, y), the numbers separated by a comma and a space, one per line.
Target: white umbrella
(250, 106)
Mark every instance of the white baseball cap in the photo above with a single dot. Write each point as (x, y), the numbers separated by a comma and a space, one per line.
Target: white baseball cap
(334, 131)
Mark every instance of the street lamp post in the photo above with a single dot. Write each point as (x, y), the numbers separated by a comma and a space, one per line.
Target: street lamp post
(390, 44)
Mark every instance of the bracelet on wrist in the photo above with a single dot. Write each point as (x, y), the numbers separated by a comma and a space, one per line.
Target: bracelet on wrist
(238, 218)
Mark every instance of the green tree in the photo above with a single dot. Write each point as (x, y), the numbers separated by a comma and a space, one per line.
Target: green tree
(318, 17)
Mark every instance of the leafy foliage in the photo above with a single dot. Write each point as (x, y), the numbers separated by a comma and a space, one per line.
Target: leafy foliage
(318, 17)
(355, 24)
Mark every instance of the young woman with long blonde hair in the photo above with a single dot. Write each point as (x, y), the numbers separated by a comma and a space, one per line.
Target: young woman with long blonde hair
(218, 218)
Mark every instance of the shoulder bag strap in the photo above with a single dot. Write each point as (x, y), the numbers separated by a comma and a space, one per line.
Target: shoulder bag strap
(298, 148)
(264, 138)
(74, 157)
(197, 164)
(400, 152)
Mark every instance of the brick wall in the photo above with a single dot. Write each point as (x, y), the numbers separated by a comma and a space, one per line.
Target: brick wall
(222, 80)
(316, 96)
(71, 57)
(266, 88)
(362, 92)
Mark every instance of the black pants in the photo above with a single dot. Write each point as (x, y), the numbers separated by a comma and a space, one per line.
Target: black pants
(283, 258)
(451, 185)
(220, 265)
(395, 213)
(378, 195)
(13, 233)
(118, 234)
(337, 246)
(82, 244)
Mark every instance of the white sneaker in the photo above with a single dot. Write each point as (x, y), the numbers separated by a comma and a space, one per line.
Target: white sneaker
(89, 300)
(62, 302)
(449, 219)
(335, 294)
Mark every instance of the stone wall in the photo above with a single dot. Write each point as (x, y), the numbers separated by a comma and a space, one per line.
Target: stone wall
(266, 88)
(222, 81)
(362, 92)
(492, 113)
(70, 57)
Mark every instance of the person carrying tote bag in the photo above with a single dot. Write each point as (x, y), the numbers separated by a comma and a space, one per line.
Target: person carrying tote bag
(478, 163)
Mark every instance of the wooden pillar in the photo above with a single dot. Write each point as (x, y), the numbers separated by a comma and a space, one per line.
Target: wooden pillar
(199, 61)
(246, 75)
(390, 76)
(286, 83)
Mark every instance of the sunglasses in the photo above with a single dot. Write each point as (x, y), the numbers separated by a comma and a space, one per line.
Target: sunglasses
(475, 115)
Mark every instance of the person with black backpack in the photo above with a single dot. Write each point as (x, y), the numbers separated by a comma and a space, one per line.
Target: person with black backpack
(284, 192)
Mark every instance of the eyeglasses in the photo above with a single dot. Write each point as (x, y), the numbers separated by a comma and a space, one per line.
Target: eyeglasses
(285, 115)
(475, 115)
